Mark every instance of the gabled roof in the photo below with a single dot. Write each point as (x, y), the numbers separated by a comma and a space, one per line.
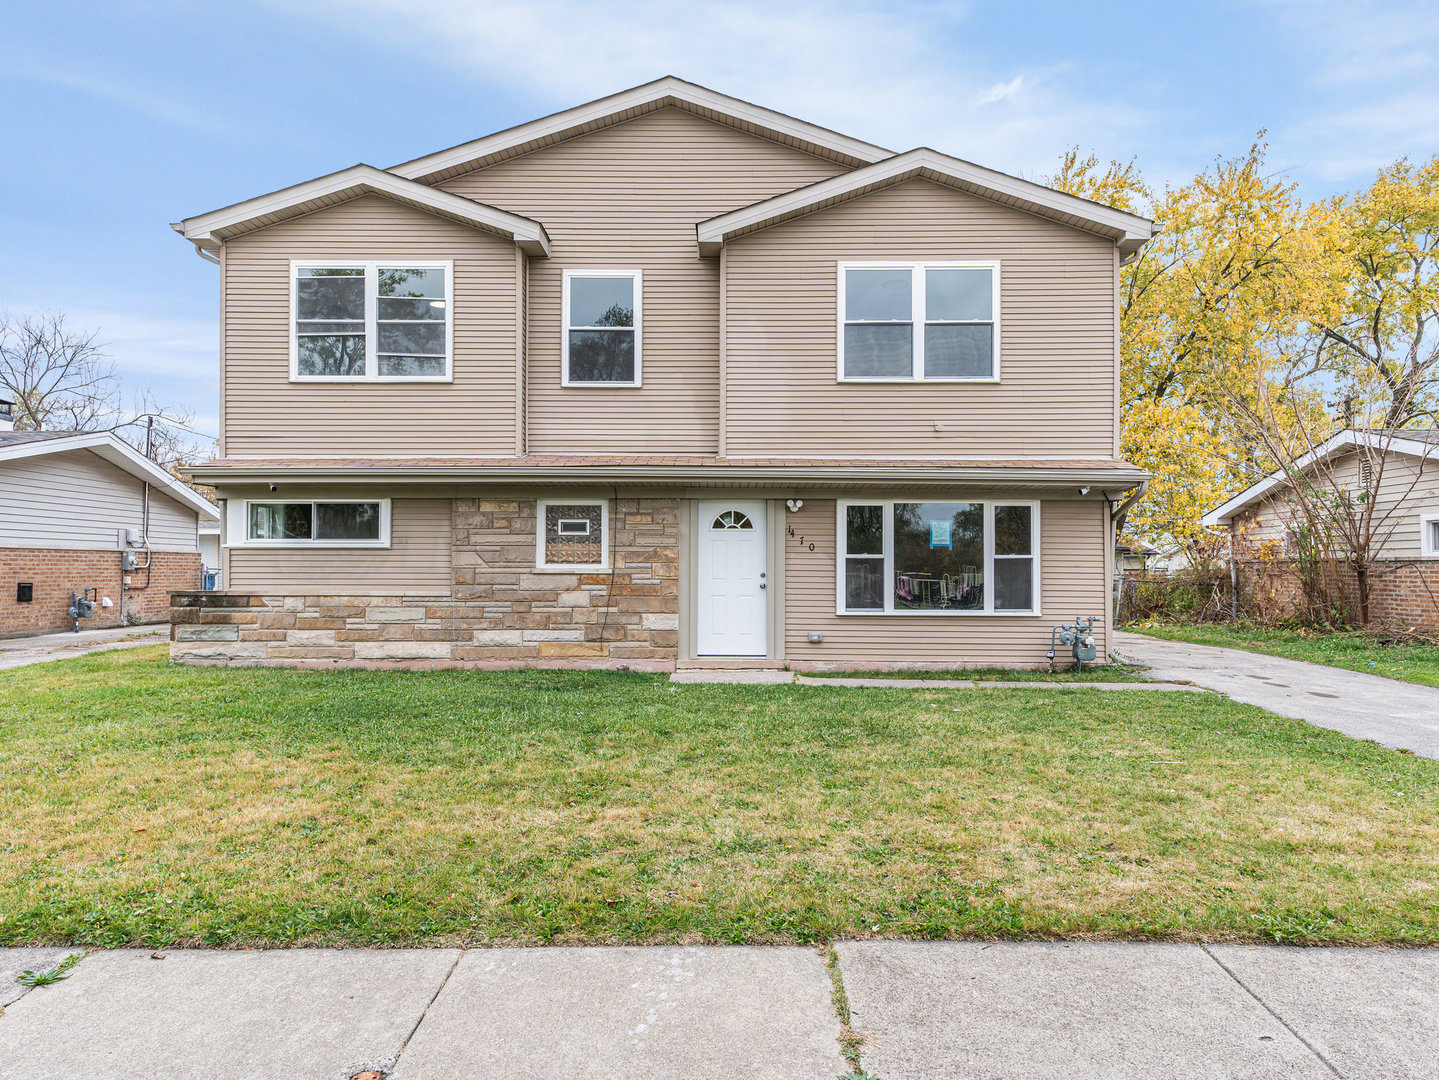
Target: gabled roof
(1419, 443)
(106, 445)
(628, 104)
(208, 231)
(1129, 231)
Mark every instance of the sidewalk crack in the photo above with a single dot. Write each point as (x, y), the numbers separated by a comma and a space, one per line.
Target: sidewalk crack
(428, 1006)
(1266, 1007)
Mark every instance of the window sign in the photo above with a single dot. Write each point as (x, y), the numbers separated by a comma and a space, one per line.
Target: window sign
(939, 534)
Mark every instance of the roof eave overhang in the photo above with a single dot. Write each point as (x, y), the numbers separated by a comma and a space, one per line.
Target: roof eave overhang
(1112, 479)
(209, 231)
(1128, 232)
(110, 448)
(1338, 444)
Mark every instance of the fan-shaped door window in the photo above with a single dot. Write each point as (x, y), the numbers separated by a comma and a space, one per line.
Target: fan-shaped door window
(732, 519)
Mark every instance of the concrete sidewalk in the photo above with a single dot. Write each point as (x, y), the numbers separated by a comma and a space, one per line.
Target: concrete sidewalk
(928, 1010)
(42, 648)
(1396, 714)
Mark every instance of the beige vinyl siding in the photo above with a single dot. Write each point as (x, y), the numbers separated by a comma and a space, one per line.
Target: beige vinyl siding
(628, 198)
(1056, 396)
(266, 414)
(78, 501)
(1073, 535)
(417, 560)
(1408, 491)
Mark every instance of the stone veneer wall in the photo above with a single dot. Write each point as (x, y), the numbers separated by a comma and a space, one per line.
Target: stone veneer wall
(502, 612)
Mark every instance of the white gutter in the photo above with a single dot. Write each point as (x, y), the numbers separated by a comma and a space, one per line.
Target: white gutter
(694, 475)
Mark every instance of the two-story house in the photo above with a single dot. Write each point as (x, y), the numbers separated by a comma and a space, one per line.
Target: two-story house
(667, 378)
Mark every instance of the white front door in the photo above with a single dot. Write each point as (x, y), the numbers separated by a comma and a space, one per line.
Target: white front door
(733, 581)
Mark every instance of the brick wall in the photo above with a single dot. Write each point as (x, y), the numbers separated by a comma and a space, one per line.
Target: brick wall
(1403, 594)
(502, 612)
(54, 573)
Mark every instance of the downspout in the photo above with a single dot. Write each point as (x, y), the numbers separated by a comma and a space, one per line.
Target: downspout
(1117, 514)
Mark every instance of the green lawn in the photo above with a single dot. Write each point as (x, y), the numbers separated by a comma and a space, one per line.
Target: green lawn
(142, 803)
(1355, 651)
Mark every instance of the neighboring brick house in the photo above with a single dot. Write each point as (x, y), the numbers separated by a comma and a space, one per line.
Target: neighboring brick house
(75, 508)
(664, 379)
(1399, 470)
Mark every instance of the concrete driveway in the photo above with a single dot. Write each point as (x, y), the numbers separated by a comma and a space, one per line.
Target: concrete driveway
(42, 648)
(1395, 714)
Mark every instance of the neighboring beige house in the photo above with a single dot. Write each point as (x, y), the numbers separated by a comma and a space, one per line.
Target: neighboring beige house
(1406, 514)
(664, 379)
(83, 513)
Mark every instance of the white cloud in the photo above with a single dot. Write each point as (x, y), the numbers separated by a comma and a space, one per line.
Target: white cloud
(1000, 91)
(885, 72)
(84, 77)
(1371, 84)
(177, 360)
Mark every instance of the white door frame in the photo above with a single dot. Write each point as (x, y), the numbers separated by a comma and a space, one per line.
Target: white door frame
(757, 510)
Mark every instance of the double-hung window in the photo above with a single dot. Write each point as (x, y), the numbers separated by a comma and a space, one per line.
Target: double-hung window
(602, 333)
(371, 320)
(949, 557)
(919, 321)
(320, 523)
(572, 534)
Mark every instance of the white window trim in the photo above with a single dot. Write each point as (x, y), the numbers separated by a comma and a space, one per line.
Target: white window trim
(237, 525)
(842, 505)
(638, 276)
(542, 505)
(1428, 541)
(917, 298)
(370, 267)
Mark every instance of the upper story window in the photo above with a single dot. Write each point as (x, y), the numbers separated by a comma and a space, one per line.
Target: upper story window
(919, 321)
(371, 320)
(601, 328)
(329, 523)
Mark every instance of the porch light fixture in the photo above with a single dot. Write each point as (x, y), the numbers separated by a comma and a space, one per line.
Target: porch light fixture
(794, 504)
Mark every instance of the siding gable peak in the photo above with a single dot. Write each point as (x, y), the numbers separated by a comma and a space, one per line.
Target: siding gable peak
(1128, 231)
(668, 92)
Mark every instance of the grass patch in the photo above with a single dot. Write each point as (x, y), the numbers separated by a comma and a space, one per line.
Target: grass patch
(149, 804)
(1354, 650)
(1098, 673)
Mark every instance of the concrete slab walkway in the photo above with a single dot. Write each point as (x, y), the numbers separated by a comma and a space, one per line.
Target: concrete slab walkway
(1121, 1011)
(927, 1010)
(42, 648)
(1395, 714)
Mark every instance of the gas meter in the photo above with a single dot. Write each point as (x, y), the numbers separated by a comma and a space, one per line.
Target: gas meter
(82, 606)
(1079, 637)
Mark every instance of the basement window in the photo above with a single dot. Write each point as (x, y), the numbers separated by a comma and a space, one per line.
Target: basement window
(953, 557)
(572, 534)
(328, 523)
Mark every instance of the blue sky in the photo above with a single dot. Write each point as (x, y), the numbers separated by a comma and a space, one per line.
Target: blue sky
(120, 118)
